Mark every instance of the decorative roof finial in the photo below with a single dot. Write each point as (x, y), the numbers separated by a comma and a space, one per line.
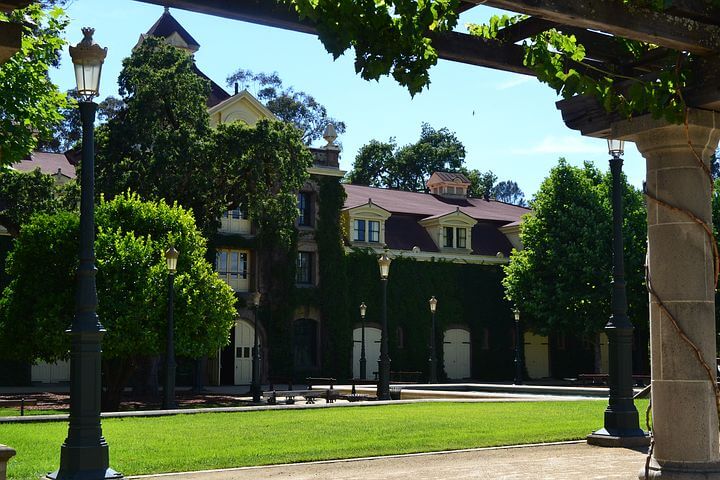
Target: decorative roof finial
(167, 9)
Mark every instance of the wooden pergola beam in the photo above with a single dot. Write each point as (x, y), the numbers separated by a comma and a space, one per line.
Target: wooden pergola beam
(458, 47)
(627, 21)
(524, 29)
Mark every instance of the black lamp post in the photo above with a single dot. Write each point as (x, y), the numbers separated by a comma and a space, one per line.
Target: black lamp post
(622, 427)
(363, 361)
(255, 387)
(518, 344)
(433, 361)
(171, 256)
(85, 454)
(383, 388)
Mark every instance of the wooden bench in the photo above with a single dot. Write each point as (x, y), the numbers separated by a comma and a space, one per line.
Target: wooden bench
(289, 395)
(22, 403)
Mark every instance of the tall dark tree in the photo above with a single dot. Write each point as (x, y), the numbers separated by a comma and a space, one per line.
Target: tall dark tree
(509, 192)
(383, 164)
(561, 277)
(68, 133)
(156, 144)
(296, 107)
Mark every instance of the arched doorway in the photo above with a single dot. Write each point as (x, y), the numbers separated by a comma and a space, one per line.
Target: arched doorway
(372, 351)
(456, 348)
(244, 341)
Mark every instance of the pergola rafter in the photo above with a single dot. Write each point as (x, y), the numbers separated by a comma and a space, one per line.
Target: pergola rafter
(685, 26)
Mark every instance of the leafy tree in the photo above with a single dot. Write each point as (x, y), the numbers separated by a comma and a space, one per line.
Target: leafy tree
(408, 168)
(24, 194)
(68, 133)
(561, 278)
(384, 165)
(509, 192)
(156, 145)
(298, 108)
(160, 145)
(30, 103)
(131, 283)
(481, 183)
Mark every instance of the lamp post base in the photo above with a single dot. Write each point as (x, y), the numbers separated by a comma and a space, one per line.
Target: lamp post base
(619, 438)
(84, 463)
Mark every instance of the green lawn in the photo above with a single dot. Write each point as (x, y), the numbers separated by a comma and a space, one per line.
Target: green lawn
(217, 440)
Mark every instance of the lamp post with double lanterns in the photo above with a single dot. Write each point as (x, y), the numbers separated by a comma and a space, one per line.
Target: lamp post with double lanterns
(85, 454)
(255, 387)
(363, 360)
(621, 425)
(518, 344)
(432, 360)
(171, 257)
(383, 388)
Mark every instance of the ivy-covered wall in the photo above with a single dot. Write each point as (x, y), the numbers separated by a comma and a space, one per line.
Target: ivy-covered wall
(469, 296)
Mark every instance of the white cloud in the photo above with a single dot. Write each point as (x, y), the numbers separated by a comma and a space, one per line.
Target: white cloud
(513, 82)
(563, 145)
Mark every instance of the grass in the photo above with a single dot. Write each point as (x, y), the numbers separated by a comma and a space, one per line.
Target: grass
(220, 440)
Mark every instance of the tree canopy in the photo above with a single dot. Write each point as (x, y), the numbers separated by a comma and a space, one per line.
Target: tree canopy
(385, 165)
(24, 194)
(131, 283)
(160, 145)
(30, 104)
(396, 37)
(298, 108)
(561, 278)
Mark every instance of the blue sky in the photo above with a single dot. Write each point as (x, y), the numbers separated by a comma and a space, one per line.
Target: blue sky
(507, 122)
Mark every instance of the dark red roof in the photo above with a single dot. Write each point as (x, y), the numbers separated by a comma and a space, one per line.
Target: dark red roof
(427, 205)
(166, 25)
(217, 93)
(452, 177)
(48, 163)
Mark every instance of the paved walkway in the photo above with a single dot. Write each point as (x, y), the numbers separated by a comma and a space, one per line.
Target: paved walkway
(549, 462)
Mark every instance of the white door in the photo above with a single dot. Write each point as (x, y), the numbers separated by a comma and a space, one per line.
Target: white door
(456, 346)
(372, 351)
(51, 372)
(244, 339)
(537, 361)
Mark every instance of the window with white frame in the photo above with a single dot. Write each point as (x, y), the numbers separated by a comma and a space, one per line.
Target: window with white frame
(454, 237)
(235, 221)
(305, 208)
(366, 230)
(232, 266)
(304, 269)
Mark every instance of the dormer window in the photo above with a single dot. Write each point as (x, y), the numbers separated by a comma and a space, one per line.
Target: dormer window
(366, 223)
(451, 231)
(366, 230)
(454, 237)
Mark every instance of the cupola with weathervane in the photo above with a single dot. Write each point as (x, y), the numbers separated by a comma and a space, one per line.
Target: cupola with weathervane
(447, 184)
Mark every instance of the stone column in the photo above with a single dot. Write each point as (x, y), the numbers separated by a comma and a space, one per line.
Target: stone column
(6, 453)
(685, 417)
